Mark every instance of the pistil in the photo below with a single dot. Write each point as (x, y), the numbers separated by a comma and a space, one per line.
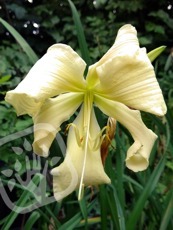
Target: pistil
(88, 103)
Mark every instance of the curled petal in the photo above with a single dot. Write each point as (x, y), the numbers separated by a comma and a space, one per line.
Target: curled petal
(130, 79)
(125, 42)
(144, 139)
(94, 173)
(49, 118)
(59, 70)
(65, 179)
(125, 74)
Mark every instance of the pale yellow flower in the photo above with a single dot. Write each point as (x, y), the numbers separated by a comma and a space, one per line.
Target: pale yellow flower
(119, 84)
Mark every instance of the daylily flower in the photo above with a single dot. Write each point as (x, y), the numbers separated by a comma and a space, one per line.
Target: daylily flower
(120, 84)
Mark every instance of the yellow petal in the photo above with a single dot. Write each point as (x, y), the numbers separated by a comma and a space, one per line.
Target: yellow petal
(130, 79)
(138, 154)
(126, 41)
(125, 74)
(71, 169)
(59, 70)
(51, 115)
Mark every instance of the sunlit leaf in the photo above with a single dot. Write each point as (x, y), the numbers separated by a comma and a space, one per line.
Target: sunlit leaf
(155, 53)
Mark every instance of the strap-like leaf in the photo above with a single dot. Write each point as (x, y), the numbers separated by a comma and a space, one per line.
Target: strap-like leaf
(80, 34)
(22, 42)
(150, 186)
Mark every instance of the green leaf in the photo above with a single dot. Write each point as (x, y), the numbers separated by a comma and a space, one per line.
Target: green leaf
(21, 201)
(22, 42)
(80, 34)
(5, 78)
(23, 124)
(150, 186)
(31, 220)
(83, 207)
(75, 220)
(168, 214)
(72, 223)
(155, 53)
(168, 63)
(19, 11)
(103, 206)
(120, 168)
(116, 208)
(54, 218)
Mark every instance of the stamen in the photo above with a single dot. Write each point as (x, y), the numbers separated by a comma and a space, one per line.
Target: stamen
(80, 195)
(99, 139)
(110, 132)
(76, 131)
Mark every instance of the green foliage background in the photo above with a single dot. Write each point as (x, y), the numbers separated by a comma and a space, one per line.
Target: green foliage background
(133, 201)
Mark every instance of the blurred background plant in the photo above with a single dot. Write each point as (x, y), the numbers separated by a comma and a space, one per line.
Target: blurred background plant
(133, 200)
